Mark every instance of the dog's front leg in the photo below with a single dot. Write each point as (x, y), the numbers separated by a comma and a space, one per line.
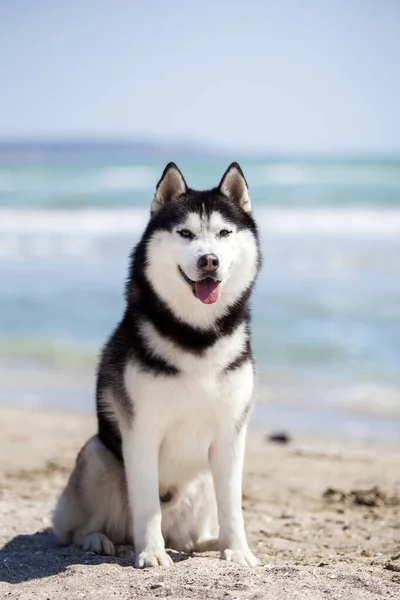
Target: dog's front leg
(141, 468)
(226, 457)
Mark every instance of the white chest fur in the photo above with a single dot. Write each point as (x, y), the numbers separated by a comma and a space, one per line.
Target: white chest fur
(185, 412)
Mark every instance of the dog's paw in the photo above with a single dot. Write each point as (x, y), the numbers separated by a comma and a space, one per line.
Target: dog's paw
(242, 557)
(158, 558)
(98, 543)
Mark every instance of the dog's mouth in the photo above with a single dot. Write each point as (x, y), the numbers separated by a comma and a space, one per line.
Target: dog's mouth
(207, 290)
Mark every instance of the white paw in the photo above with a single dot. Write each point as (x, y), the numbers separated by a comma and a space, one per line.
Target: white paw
(98, 543)
(152, 559)
(242, 557)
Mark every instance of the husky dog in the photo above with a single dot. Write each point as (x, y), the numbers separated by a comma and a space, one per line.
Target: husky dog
(174, 386)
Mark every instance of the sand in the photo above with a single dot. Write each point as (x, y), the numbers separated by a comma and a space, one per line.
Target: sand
(322, 516)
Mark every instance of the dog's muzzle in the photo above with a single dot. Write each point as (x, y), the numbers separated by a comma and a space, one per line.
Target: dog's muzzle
(207, 289)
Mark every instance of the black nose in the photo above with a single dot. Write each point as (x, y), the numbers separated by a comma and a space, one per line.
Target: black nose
(208, 262)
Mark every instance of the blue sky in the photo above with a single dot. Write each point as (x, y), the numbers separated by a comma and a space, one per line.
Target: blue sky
(291, 76)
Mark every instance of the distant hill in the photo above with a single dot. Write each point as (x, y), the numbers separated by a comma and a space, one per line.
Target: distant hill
(121, 151)
(96, 150)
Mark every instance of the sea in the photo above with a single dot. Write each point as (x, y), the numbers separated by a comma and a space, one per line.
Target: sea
(326, 308)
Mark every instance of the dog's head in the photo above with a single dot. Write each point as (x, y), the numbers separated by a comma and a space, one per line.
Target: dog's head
(200, 249)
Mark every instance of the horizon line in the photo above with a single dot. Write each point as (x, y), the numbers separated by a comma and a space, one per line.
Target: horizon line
(193, 146)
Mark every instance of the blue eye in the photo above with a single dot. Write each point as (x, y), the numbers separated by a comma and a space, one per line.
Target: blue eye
(224, 233)
(185, 233)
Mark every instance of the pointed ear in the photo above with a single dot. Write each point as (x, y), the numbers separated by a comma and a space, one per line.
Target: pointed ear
(171, 185)
(234, 186)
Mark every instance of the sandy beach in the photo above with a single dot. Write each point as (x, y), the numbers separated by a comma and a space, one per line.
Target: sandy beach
(323, 517)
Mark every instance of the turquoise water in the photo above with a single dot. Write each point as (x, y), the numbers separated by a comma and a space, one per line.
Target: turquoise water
(326, 309)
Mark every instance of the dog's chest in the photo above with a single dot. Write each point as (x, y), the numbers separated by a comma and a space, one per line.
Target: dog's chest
(197, 364)
(199, 394)
(204, 386)
(192, 414)
(186, 412)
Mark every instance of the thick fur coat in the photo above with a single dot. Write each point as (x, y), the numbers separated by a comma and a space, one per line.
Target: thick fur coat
(175, 386)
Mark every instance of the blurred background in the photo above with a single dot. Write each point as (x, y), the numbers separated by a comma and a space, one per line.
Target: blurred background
(97, 96)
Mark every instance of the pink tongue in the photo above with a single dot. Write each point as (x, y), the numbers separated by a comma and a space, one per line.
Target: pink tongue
(208, 290)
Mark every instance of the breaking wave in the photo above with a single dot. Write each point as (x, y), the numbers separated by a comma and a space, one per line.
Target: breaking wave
(119, 220)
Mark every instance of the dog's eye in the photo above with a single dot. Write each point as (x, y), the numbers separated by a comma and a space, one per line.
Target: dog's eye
(224, 233)
(185, 233)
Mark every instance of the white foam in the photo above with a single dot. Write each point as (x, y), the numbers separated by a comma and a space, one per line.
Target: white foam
(331, 221)
(100, 222)
(87, 221)
(370, 397)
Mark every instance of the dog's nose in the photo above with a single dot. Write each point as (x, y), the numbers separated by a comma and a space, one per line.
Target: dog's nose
(208, 262)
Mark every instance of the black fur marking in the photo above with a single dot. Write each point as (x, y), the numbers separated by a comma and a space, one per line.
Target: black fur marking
(190, 338)
(110, 379)
(148, 360)
(241, 359)
(243, 417)
(109, 435)
(126, 343)
(204, 204)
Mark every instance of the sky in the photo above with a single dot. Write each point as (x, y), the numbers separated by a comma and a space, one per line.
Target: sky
(296, 76)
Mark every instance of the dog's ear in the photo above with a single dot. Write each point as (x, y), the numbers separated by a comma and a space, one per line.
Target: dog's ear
(171, 185)
(234, 186)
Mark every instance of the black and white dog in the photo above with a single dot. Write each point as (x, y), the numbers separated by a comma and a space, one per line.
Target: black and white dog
(175, 386)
